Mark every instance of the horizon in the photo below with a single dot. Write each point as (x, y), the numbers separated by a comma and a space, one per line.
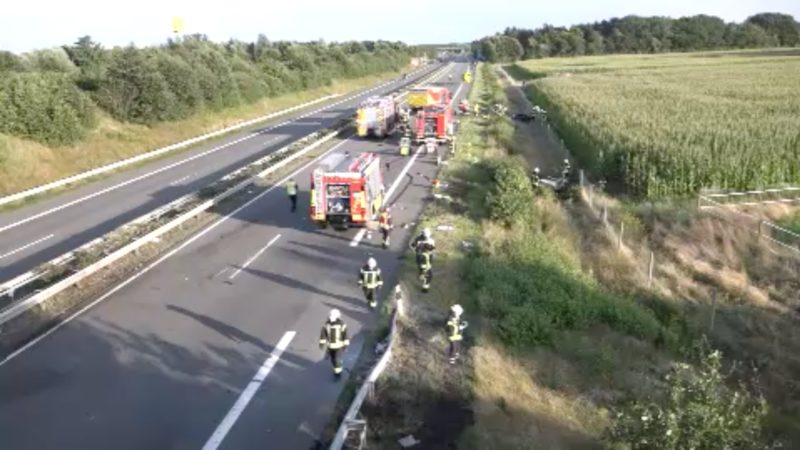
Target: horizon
(150, 23)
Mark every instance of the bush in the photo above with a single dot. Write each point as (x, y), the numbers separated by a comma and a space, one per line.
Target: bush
(46, 107)
(510, 195)
(135, 90)
(696, 410)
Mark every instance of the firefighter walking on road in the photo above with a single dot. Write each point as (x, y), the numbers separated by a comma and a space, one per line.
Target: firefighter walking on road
(291, 191)
(385, 224)
(370, 280)
(455, 326)
(424, 246)
(333, 338)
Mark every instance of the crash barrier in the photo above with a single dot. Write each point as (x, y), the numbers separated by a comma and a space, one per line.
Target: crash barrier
(18, 308)
(30, 281)
(350, 422)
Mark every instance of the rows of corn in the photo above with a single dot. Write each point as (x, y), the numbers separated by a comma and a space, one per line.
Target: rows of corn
(672, 125)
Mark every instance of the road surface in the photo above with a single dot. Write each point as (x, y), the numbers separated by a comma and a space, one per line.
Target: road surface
(215, 346)
(35, 234)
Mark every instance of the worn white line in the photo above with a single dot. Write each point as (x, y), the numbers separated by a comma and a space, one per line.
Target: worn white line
(180, 180)
(247, 394)
(250, 261)
(26, 246)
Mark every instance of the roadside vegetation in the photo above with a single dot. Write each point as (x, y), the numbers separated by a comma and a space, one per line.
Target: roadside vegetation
(568, 346)
(70, 109)
(672, 125)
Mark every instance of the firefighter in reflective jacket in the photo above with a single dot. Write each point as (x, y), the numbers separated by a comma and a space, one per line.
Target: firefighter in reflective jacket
(334, 338)
(385, 224)
(291, 191)
(424, 246)
(566, 169)
(454, 328)
(370, 280)
(535, 177)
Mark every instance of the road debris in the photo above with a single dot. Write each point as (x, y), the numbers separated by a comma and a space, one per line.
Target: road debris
(408, 441)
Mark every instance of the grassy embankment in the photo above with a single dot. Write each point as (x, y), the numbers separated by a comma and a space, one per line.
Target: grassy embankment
(672, 124)
(564, 329)
(25, 163)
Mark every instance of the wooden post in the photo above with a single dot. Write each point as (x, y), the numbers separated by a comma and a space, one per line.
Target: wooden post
(652, 266)
(581, 172)
(713, 309)
(605, 214)
(760, 223)
(621, 233)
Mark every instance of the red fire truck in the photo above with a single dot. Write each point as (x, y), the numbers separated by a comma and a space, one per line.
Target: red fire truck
(433, 122)
(346, 190)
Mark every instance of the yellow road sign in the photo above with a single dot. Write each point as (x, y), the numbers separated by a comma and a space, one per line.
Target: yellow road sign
(177, 25)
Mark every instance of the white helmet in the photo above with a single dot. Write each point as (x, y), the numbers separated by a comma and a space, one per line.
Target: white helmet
(334, 315)
(457, 310)
(566, 161)
(371, 263)
(535, 170)
(426, 232)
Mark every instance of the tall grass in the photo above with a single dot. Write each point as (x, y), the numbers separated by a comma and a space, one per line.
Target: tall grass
(672, 125)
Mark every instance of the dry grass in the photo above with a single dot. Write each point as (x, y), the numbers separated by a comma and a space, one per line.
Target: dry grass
(25, 164)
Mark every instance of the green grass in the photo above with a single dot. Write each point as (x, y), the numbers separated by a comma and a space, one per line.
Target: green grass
(669, 125)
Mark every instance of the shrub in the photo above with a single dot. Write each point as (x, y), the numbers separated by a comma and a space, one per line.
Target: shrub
(696, 410)
(46, 107)
(510, 194)
(135, 90)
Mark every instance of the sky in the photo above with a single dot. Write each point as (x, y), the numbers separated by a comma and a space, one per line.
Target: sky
(33, 24)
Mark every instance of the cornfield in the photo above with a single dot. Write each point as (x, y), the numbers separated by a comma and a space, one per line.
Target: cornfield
(671, 125)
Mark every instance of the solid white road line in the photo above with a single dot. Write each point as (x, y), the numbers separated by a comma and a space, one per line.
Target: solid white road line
(12, 252)
(250, 261)
(167, 255)
(247, 394)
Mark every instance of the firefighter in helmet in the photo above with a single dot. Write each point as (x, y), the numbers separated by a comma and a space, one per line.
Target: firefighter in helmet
(370, 280)
(385, 224)
(455, 326)
(566, 169)
(535, 177)
(333, 338)
(424, 246)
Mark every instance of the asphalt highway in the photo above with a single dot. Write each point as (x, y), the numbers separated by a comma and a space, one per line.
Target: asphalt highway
(46, 229)
(215, 345)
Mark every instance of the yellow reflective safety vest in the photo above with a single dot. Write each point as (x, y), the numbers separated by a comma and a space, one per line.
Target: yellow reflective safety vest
(334, 335)
(291, 188)
(371, 279)
(454, 329)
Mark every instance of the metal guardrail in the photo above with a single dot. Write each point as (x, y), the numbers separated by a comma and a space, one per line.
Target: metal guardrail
(350, 422)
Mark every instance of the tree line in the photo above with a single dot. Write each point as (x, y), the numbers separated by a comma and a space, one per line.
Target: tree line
(635, 34)
(54, 96)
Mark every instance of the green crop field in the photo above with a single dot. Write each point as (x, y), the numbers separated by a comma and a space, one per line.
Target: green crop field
(670, 125)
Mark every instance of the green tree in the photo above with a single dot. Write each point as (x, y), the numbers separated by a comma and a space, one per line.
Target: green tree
(697, 411)
(90, 58)
(783, 26)
(135, 90)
